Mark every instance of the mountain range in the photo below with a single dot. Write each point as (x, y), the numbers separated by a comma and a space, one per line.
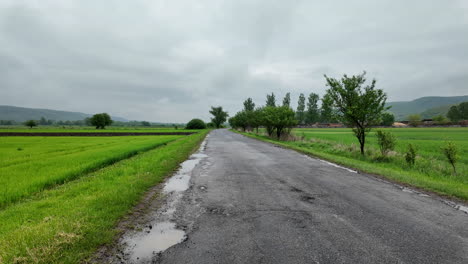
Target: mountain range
(427, 107)
(21, 114)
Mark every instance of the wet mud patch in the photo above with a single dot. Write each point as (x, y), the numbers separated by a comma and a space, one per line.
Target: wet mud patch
(150, 231)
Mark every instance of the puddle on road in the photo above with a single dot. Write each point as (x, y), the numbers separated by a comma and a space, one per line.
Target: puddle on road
(161, 237)
(163, 233)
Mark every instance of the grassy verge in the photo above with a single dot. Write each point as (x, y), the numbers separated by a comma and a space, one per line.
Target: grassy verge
(424, 175)
(29, 165)
(68, 223)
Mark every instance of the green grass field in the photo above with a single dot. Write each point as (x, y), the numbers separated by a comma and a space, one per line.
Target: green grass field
(67, 222)
(431, 171)
(54, 129)
(30, 164)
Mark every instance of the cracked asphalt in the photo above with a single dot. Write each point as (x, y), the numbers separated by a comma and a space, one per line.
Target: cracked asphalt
(253, 202)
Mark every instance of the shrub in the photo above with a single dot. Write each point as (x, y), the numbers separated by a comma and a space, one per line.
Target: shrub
(410, 155)
(414, 120)
(450, 151)
(386, 141)
(196, 124)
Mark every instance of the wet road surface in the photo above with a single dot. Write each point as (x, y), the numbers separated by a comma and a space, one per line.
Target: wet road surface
(253, 202)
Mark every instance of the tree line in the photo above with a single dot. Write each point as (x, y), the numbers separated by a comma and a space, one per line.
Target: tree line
(348, 100)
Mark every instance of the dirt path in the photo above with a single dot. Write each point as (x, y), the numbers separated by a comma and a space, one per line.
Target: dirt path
(252, 202)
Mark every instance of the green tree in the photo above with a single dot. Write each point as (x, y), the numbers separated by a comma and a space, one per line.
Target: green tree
(219, 116)
(195, 124)
(30, 123)
(387, 119)
(463, 110)
(279, 120)
(326, 111)
(42, 121)
(453, 114)
(357, 106)
(249, 105)
(300, 113)
(312, 114)
(414, 120)
(100, 121)
(287, 100)
(145, 123)
(271, 100)
(440, 119)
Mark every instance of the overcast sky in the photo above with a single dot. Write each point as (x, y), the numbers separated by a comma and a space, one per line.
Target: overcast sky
(170, 60)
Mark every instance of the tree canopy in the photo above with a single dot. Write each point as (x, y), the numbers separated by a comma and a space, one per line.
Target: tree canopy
(100, 121)
(219, 116)
(357, 106)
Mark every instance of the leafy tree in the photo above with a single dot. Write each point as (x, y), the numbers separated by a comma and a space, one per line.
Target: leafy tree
(271, 100)
(30, 123)
(145, 123)
(312, 114)
(100, 121)
(287, 100)
(463, 109)
(219, 116)
(357, 106)
(326, 112)
(42, 121)
(414, 120)
(453, 114)
(249, 105)
(300, 114)
(279, 120)
(387, 119)
(440, 119)
(195, 124)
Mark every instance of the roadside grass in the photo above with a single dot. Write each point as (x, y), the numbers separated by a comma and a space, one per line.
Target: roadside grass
(68, 223)
(64, 129)
(29, 164)
(430, 172)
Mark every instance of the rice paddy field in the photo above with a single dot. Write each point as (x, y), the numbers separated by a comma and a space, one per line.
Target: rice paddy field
(64, 129)
(61, 197)
(431, 170)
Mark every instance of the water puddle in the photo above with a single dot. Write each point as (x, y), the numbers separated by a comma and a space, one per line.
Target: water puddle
(163, 233)
(161, 237)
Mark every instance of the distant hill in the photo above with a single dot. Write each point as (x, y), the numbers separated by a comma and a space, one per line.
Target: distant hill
(21, 114)
(426, 106)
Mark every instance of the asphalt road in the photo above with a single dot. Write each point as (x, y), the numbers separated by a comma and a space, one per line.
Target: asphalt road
(253, 202)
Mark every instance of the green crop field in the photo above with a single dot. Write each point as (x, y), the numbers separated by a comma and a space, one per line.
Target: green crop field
(90, 129)
(63, 196)
(30, 164)
(431, 170)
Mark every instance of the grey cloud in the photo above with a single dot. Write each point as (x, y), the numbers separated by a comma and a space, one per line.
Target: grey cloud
(170, 60)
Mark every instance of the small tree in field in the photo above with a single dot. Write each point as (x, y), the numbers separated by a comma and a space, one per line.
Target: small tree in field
(414, 120)
(451, 152)
(30, 123)
(100, 121)
(279, 120)
(410, 155)
(357, 106)
(195, 124)
(386, 141)
(219, 116)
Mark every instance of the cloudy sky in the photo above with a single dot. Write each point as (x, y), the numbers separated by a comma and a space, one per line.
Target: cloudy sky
(170, 60)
